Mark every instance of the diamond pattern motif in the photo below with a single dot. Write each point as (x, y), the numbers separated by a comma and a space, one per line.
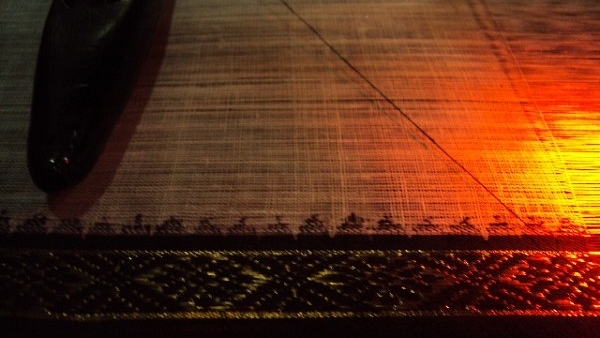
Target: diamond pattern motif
(288, 283)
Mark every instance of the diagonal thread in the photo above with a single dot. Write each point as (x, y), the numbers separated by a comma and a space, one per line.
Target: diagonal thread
(398, 109)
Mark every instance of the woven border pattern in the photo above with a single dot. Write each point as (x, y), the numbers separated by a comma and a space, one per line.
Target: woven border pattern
(93, 285)
(139, 225)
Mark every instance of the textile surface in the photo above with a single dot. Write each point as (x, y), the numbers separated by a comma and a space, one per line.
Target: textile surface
(323, 159)
(244, 113)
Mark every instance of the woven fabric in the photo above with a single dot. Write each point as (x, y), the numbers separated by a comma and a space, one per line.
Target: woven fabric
(244, 118)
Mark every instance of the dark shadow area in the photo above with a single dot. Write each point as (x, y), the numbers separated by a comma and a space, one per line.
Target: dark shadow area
(120, 240)
(75, 201)
(423, 327)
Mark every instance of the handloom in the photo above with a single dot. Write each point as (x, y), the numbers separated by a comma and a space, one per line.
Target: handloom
(255, 177)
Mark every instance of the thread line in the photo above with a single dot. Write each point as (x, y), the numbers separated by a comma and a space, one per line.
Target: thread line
(398, 109)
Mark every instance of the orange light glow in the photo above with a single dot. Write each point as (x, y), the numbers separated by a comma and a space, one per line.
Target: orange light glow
(577, 139)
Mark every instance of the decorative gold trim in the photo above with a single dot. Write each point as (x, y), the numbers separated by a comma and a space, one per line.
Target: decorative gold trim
(92, 285)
